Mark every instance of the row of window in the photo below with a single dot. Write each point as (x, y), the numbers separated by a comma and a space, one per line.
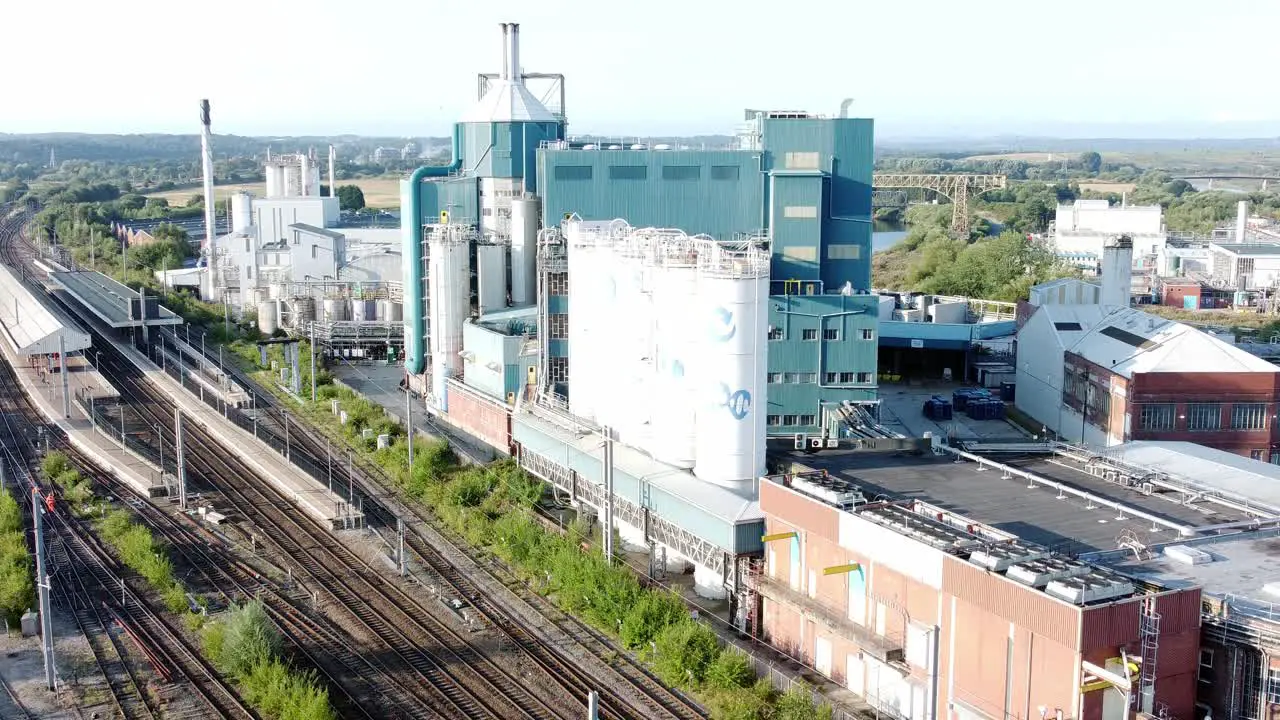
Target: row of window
(1203, 416)
(776, 333)
(641, 172)
(829, 378)
(791, 420)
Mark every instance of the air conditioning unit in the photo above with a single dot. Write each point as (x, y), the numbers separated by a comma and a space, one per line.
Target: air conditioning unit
(816, 443)
(833, 443)
(799, 442)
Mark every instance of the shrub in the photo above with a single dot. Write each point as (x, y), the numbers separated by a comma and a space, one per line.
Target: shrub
(730, 670)
(651, 613)
(685, 650)
(797, 704)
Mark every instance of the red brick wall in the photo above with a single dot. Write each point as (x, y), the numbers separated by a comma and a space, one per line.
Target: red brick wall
(486, 419)
(1225, 388)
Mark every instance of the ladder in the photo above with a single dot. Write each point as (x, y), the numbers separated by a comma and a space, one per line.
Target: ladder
(1149, 637)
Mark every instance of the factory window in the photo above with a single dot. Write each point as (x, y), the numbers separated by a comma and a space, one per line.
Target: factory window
(864, 378)
(800, 211)
(829, 378)
(248, 272)
(1273, 685)
(558, 369)
(486, 212)
(809, 334)
(681, 172)
(724, 172)
(803, 254)
(1156, 417)
(1249, 416)
(830, 334)
(559, 326)
(846, 378)
(775, 378)
(775, 333)
(246, 243)
(1204, 416)
(573, 172)
(773, 420)
(808, 377)
(313, 252)
(558, 284)
(789, 420)
(800, 161)
(628, 172)
(807, 420)
(844, 251)
(789, 378)
(868, 334)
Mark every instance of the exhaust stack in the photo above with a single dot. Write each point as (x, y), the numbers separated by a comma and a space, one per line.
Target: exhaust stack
(513, 52)
(210, 221)
(333, 160)
(505, 73)
(1242, 220)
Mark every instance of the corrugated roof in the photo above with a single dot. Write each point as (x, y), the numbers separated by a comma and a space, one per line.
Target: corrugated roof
(313, 230)
(1249, 249)
(508, 101)
(1205, 467)
(1128, 341)
(28, 325)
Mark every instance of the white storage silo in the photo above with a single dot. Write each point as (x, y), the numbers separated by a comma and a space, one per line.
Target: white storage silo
(364, 310)
(491, 277)
(629, 328)
(449, 287)
(524, 251)
(289, 181)
(268, 316)
(675, 294)
(273, 179)
(390, 311)
(584, 287)
(732, 316)
(241, 211)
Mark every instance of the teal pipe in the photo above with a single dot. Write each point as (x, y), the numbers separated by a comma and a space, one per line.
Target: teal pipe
(415, 359)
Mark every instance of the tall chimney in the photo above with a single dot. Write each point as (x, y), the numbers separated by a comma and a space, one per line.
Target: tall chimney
(333, 160)
(210, 223)
(513, 51)
(505, 73)
(304, 185)
(1242, 219)
(1117, 271)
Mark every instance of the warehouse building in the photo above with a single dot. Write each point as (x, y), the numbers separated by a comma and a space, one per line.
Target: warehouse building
(1081, 229)
(1245, 266)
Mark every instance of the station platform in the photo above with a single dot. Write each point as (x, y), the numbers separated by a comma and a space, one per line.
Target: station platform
(206, 374)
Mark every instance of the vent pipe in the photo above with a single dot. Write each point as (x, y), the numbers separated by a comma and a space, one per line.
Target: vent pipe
(1242, 219)
(333, 160)
(505, 73)
(513, 52)
(210, 222)
(1117, 271)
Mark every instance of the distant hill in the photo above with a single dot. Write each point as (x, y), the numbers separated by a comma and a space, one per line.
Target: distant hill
(34, 148)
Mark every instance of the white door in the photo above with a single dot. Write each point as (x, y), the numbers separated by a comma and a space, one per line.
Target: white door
(881, 611)
(822, 655)
(813, 583)
(858, 597)
(855, 674)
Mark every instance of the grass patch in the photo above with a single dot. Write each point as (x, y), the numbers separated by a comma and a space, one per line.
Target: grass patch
(17, 587)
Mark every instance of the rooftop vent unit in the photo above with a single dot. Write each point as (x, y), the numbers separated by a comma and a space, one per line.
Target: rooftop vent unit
(1187, 555)
(833, 491)
(1002, 556)
(1095, 586)
(921, 527)
(1038, 573)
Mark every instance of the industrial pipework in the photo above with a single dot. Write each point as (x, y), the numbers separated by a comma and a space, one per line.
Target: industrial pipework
(415, 319)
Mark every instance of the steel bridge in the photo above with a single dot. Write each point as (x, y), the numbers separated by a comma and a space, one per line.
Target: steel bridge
(957, 188)
(1266, 179)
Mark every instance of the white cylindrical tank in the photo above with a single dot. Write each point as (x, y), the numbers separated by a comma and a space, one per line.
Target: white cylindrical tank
(304, 310)
(272, 173)
(268, 316)
(675, 293)
(449, 287)
(336, 309)
(1117, 272)
(524, 251)
(732, 315)
(364, 310)
(304, 175)
(241, 211)
(390, 311)
(491, 277)
(1242, 220)
(630, 347)
(584, 290)
(289, 182)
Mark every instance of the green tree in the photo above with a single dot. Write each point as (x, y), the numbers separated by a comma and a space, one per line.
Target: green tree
(1091, 161)
(350, 197)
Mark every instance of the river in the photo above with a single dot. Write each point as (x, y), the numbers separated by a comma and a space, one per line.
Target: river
(885, 235)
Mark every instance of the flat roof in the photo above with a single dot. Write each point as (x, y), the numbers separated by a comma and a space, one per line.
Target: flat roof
(313, 230)
(31, 327)
(108, 299)
(1252, 249)
(1206, 468)
(1067, 524)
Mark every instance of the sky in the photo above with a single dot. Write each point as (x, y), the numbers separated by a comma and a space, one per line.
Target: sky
(921, 68)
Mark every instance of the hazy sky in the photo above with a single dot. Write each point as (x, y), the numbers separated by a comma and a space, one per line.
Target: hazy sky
(400, 67)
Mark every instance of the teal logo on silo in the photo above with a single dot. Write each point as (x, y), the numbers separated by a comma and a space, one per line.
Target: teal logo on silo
(737, 402)
(721, 326)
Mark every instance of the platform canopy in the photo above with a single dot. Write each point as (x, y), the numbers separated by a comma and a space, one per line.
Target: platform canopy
(114, 303)
(29, 326)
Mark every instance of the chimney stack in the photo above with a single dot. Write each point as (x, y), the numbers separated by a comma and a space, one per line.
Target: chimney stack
(208, 283)
(1242, 220)
(333, 160)
(513, 52)
(1117, 271)
(505, 73)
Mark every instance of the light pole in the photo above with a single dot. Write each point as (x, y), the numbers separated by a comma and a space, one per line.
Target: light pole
(160, 440)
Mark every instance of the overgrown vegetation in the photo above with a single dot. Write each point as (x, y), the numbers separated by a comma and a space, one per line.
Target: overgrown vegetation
(17, 588)
(245, 645)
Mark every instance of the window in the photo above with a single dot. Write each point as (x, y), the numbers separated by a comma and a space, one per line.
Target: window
(775, 333)
(628, 172)
(559, 323)
(1204, 416)
(789, 378)
(808, 420)
(773, 420)
(800, 212)
(681, 172)
(829, 378)
(558, 284)
(808, 377)
(868, 334)
(558, 369)
(313, 252)
(789, 420)
(844, 251)
(846, 378)
(802, 254)
(1249, 416)
(724, 172)
(1256, 454)
(572, 172)
(486, 212)
(246, 243)
(810, 334)
(1156, 417)
(830, 334)
(1273, 685)
(775, 378)
(864, 378)
(1206, 659)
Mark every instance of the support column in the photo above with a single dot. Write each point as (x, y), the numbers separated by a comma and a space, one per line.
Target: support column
(608, 494)
(66, 383)
(181, 455)
(408, 424)
(313, 367)
(42, 587)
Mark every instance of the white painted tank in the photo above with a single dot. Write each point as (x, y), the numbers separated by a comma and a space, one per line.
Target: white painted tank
(732, 315)
(629, 325)
(449, 270)
(289, 182)
(268, 316)
(390, 311)
(675, 293)
(272, 173)
(336, 309)
(524, 251)
(491, 277)
(364, 310)
(589, 294)
(241, 211)
(304, 310)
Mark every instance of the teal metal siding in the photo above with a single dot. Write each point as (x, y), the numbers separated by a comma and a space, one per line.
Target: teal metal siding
(720, 203)
(748, 537)
(796, 240)
(557, 304)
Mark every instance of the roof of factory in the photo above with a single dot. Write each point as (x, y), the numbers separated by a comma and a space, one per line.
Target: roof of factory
(313, 230)
(1129, 341)
(1205, 468)
(508, 101)
(108, 299)
(29, 326)
(1249, 249)
(511, 321)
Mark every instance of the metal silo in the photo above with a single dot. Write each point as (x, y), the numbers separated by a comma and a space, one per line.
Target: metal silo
(268, 316)
(449, 287)
(390, 311)
(629, 328)
(675, 294)
(304, 310)
(732, 316)
(336, 309)
(524, 251)
(241, 211)
(491, 277)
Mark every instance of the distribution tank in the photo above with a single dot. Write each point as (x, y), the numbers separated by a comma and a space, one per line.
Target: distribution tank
(336, 309)
(524, 251)
(304, 310)
(390, 311)
(364, 310)
(491, 277)
(629, 322)
(241, 211)
(732, 316)
(268, 316)
(675, 294)
(449, 287)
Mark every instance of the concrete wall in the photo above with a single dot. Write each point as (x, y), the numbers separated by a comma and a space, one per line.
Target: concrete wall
(1039, 371)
